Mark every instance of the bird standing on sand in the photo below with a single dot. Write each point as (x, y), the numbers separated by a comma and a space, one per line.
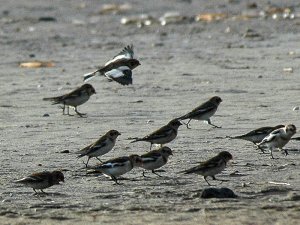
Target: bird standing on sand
(116, 167)
(278, 138)
(102, 146)
(203, 112)
(74, 98)
(212, 166)
(42, 180)
(155, 159)
(163, 135)
(257, 135)
(119, 68)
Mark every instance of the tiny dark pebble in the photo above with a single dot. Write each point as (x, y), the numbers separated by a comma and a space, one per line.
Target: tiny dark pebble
(46, 115)
(39, 164)
(65, 151)
(47, 19)
(218, 193)
(31, 55)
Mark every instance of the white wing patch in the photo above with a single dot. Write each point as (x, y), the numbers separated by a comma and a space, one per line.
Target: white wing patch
(116, 73)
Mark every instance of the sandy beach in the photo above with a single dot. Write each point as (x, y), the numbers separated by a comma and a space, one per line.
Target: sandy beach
(246, 53)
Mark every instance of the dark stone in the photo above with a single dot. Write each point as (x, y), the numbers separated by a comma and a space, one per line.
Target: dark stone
(47, 19)
(218, 193)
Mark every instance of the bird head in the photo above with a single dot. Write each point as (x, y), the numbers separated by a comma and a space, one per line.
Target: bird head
(113, 134)
(290, 129)
(226, 156)
(166, 151)
(58, 176)
(175, 123)
(216, 100)
(89, 89)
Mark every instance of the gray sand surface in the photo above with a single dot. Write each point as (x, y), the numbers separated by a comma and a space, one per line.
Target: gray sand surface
(183, 65)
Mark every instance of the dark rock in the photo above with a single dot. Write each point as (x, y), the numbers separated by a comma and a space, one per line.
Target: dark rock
(65, 151)
(218, 193)
(47, 19)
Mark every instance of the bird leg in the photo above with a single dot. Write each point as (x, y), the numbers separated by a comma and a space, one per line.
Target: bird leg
(215, 126)
(64, 107)
(259, 147)
(86, 164)
(99, 159)
(285, 151)
(144, 174)
(80, 114)
(153, 171)
(206, 180)
(271, 151)
(115, 180)
(187, 124)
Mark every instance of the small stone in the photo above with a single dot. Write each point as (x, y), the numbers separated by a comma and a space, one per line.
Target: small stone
(218, 193)
(46, 115)
(292, 196)
(65, 151)
(288, 70)
(296, 108)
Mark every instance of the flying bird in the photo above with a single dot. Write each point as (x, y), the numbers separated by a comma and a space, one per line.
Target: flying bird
(119, 68)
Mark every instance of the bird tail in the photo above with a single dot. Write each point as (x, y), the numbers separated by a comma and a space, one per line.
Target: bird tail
(88, 76)
(184, 117)
(183, 172)
(93, 171)
(235, 137)
(134, 139)
(55, 100)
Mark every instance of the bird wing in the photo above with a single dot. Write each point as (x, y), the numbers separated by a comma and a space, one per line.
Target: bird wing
(164, 131)
(211, 163)
(122, 75)
(36, 177)
(273, 135)
(93, 147)
(126, 53)
(117, 162)
(151, 156)
(197, 111)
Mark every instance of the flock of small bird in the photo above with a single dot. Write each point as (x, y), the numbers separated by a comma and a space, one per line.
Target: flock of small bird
(119, 69)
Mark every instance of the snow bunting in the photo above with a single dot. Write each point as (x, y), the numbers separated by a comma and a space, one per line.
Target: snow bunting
(203, 112)
(155, 159)
(278, 138)
(119, 68)
(257, 135)
(212, 166)
(116, 167)
(42, 180)
(102, 146)
(163, 135)
(74, 98)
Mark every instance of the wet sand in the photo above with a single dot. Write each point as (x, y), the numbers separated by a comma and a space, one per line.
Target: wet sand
(183, 65)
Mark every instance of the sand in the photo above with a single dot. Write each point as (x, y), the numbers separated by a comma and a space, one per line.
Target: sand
(183, 65)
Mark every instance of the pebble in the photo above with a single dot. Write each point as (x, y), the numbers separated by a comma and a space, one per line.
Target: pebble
(218, 193)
